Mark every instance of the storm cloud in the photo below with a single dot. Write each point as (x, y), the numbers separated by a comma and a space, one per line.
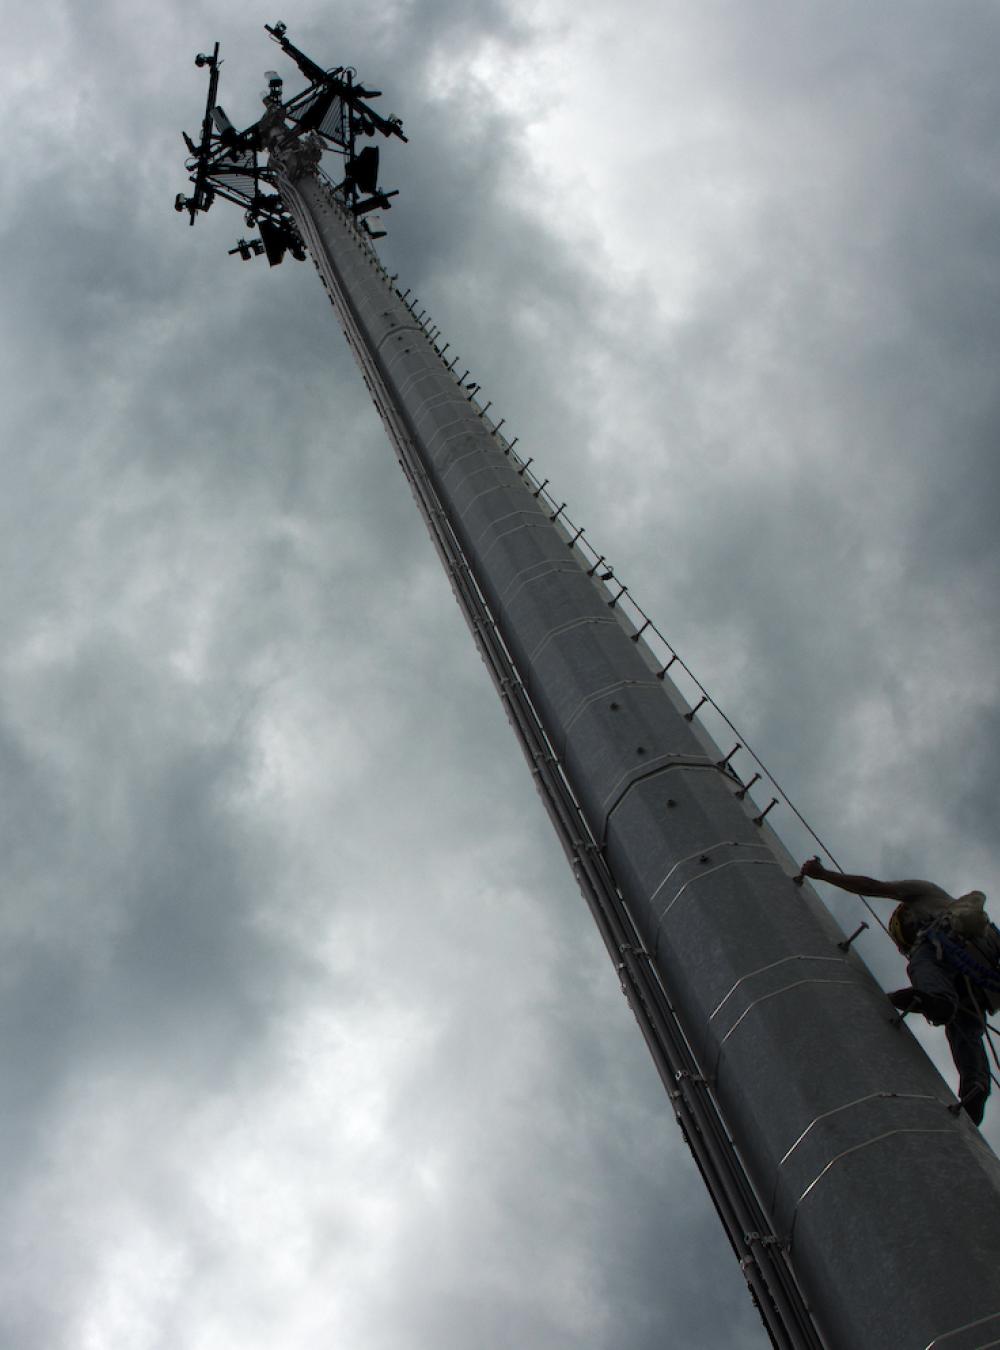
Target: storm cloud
(306, 1036)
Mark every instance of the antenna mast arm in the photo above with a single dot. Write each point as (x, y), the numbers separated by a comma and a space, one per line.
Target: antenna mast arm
(200, 199)
(309, 68)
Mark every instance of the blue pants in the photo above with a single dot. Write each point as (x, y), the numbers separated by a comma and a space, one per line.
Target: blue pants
(952, 1003)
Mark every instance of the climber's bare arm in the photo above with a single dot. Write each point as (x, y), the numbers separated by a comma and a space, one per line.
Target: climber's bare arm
(861, 885)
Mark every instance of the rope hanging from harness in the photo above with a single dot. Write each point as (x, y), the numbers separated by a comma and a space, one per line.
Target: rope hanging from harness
(988, 1030)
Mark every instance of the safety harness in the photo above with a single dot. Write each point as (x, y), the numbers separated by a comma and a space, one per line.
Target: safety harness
(954, 951)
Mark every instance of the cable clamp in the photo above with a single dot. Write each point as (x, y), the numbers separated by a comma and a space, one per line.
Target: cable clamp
(763, 1240)
(634, 951)
(587, 846)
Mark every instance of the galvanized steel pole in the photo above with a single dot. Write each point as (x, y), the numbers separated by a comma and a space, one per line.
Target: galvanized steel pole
(877, 1210)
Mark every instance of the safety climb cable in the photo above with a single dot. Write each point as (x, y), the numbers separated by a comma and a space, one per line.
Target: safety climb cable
(621, 598)
(622, 601)
(626, 606)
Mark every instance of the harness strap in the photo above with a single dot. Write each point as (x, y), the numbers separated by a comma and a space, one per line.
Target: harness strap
(955, 952)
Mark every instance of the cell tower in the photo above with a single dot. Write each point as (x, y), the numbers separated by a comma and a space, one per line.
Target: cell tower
(864, 1209)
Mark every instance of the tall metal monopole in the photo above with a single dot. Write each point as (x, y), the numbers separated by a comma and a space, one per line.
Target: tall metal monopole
(862, 1209)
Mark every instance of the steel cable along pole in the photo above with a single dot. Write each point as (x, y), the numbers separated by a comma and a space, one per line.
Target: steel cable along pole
(863, 1211)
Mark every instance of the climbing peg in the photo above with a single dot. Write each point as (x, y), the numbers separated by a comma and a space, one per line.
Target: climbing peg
(662, 674)
(540, 489)
(558, 513)
(956, 1108)
(571, 542)
(747, 786)
(592, 570)
(524, 466)
(846, 944)
(639, 632)
(722, 763)
(759, 820)
(690, 716)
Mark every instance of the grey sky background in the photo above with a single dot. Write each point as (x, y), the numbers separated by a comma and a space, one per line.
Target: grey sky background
(306, 1038)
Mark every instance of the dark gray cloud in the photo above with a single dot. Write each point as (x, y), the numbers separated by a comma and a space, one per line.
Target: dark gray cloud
(305, 1032)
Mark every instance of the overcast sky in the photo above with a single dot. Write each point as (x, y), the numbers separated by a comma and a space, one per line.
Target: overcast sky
(307, 1037)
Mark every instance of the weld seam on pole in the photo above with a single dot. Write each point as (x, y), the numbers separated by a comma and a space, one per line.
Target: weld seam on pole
(460, 459)
(567, 627)
(859, 1101)
(540, 568)
(774, 993)
(397, 328)
(495, 487)
(435, 436)
(856, 1148)
(599, 694)
(439, 399)
(700, 852)
(535, 520)
(773, 966)
(660, 764)
(552, 567)
(969, 1326)
(732, 862)
(442, 399)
